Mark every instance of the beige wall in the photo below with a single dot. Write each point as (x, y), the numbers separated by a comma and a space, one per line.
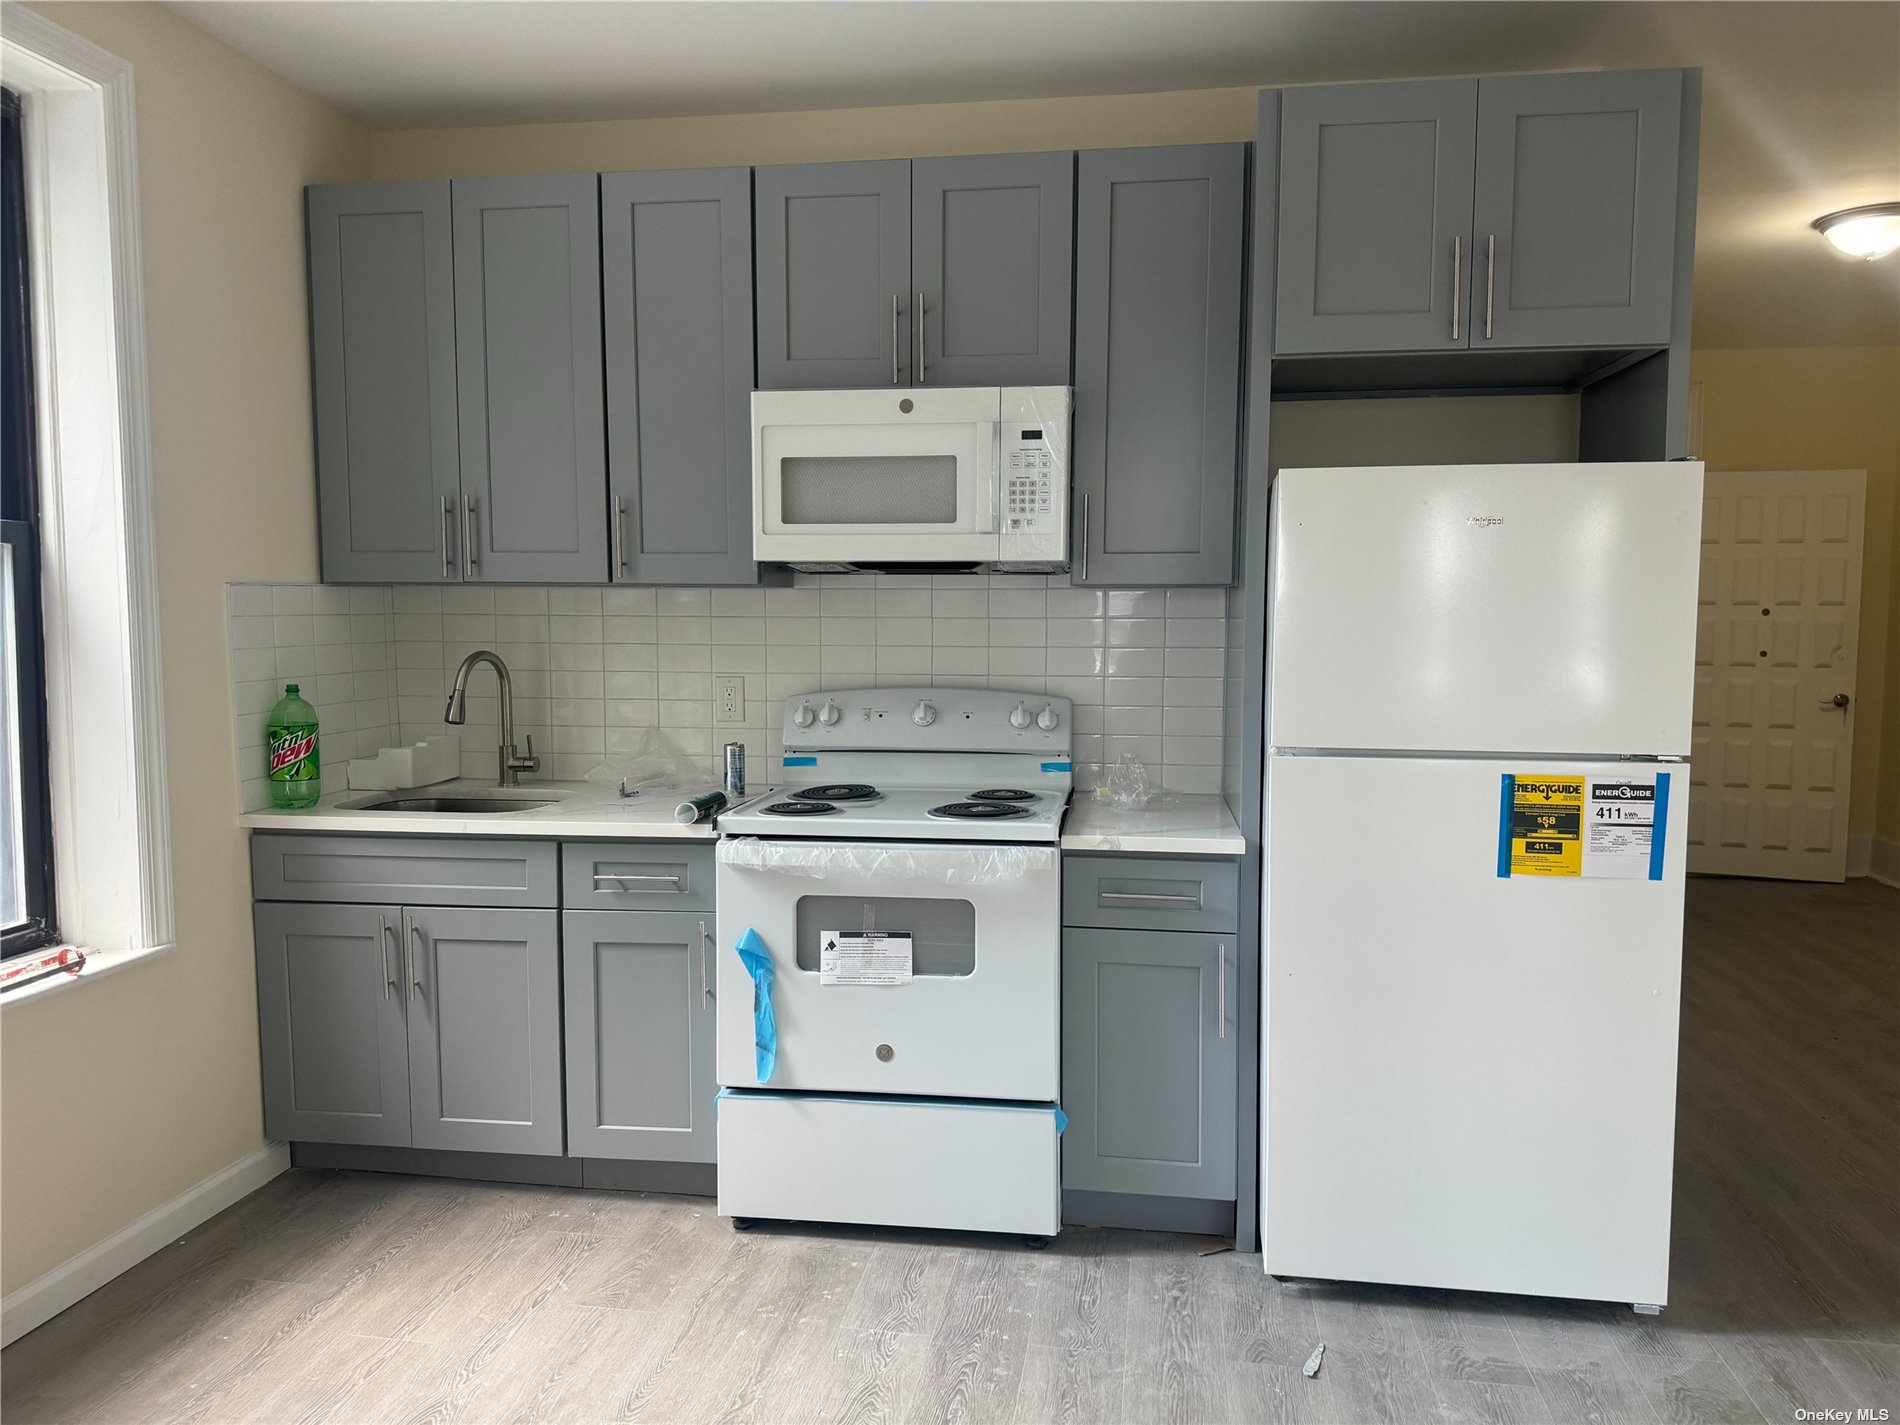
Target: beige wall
(1830, 408)
(121, 1094)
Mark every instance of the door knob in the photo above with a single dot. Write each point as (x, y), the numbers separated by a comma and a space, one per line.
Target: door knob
(1839, 700)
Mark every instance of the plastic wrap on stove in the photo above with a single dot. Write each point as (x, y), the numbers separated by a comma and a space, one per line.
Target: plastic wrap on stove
(970, 865)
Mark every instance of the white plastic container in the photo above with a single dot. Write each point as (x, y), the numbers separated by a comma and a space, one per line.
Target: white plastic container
(434, 759)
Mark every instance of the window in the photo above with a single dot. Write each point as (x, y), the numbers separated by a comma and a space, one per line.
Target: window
(26, 835)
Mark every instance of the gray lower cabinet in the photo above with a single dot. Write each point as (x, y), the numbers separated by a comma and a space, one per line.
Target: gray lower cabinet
(1150, 1046)
(991, 264)
(1159, 240)
(382, 359)
(676, 262)
(832, 257)
(333, 1023)
(528, 379)
(639, 999)
(1574, 229)
(485, 1030)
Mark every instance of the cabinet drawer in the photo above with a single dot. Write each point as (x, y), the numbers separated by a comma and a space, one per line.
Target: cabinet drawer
(1161, 893)
(402, 870)
(633, 875)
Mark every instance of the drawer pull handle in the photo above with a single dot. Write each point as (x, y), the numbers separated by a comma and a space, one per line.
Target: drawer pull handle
(415, 958)
(382, 939)
(1150, 896)
(599, 876)
(1220, 950)
(705, 990)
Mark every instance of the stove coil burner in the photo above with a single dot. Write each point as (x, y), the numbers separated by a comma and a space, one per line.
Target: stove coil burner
(813, 808)
(977, 811)
(1003, 794)
(841, 792)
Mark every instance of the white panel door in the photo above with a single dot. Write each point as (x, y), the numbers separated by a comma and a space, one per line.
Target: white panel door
(1469, 1080)
(1775, 658)
(1485, 608)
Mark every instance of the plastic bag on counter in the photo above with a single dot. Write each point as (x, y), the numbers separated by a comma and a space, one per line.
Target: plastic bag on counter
(1125, 784)
(656, 764)
(966, 864)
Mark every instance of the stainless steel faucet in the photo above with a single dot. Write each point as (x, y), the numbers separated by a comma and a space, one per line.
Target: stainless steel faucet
(512, 765)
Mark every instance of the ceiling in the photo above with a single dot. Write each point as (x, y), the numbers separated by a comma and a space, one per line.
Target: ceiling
(1801, 104)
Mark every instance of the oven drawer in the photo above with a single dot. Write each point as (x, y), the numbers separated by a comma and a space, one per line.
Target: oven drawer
(977, 1167)
(631, 875)
(1150, 892)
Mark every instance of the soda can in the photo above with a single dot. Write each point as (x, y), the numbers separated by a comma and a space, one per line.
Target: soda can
(735, 769)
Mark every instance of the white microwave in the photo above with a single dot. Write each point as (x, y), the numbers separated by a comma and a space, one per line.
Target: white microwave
(920, 478)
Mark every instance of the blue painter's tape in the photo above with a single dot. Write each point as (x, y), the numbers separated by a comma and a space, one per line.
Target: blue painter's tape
(1062, 1120)
(1661, 826)
(1507, 793)
(800, 761)
(1058, 766)
(758, 964)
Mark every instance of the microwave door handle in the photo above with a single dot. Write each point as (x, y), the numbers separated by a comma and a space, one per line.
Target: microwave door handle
(991, 481)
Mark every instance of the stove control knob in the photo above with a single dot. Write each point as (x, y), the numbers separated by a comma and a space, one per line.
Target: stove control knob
(1047, 719)
(924, 715)
(832, 712)
(1019, 716)
(804, 716)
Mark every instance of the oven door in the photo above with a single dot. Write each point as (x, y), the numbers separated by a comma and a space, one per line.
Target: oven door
(977, 1019)
(852, 477)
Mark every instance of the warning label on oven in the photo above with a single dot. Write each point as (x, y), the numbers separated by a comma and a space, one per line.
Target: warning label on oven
(869, 957)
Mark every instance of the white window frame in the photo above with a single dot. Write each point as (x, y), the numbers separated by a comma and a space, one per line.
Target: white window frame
(104, 689)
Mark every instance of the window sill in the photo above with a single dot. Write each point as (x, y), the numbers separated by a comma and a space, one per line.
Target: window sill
(98, 965)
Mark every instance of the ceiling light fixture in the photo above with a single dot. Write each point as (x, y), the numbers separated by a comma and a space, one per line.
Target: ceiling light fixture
(1870, 231)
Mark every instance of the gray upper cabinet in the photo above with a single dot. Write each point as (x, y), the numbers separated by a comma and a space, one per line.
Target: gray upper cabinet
(676, 261)
(1159, 238)
(485, 1030)
(528, 379)
(1150, 1039)
(639, 995)
(330, 1009)
(382, 354)
(832, 258)
(1375, 217)
(991, 243)
(1575, 220)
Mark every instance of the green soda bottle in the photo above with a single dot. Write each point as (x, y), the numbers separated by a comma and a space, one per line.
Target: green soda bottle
(290, 741)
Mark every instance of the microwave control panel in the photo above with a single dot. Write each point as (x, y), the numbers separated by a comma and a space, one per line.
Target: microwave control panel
(1033, 481)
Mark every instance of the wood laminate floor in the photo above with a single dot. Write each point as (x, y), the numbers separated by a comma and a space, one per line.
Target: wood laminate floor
(355, 1297)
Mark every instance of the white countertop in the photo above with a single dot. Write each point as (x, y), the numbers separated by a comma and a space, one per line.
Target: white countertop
(1181, 826)
(580, 810)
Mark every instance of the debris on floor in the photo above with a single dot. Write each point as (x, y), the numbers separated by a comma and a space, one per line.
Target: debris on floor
(1311, 1368)
(1203, 1245)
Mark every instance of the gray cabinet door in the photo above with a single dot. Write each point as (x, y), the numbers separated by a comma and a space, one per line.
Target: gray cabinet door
(833, 265)
(1576, 187)
(1150, 1034)
(382, 358)
(1375, 217)
(991, 240)
(676, 262)
(528, 378)
(639, 995)
(1159, 233)
(330, 1012)
(484, 992)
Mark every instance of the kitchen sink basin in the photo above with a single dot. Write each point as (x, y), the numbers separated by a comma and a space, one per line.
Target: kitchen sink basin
(454, 806)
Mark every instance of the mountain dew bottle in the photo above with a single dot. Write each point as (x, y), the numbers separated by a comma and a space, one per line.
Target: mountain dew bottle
(290, 739)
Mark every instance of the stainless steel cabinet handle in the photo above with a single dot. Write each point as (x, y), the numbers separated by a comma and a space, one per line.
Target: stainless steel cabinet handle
(1149, 896)
(1085, 537)
(705, 991)
(600, 876)
(382, 940)
(448, 541)
(1220, 951)
(920, 339)
(1457, 280)
(415, 957)
(470, 558)
(893, 338)
(620, 534)
(1490, 280)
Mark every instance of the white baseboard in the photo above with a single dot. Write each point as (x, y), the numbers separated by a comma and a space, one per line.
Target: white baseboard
(1883, 861)
(1860, 850)
(78, 1277)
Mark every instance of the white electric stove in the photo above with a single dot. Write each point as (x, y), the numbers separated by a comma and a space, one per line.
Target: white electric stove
(889, 966)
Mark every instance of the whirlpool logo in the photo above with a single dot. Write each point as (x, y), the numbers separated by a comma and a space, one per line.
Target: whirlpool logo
(1486, 521)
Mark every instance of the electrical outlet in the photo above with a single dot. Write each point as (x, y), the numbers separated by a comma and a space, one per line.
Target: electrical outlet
(729, 698)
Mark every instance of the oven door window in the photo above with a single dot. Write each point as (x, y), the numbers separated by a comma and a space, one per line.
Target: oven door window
(868, 489)
(942, 931)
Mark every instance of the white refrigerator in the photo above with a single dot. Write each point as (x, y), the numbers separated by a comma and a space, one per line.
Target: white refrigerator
(1479, 685)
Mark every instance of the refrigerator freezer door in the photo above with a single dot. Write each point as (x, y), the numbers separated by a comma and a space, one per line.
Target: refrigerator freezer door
(1486, 608)
(1470, 1081)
